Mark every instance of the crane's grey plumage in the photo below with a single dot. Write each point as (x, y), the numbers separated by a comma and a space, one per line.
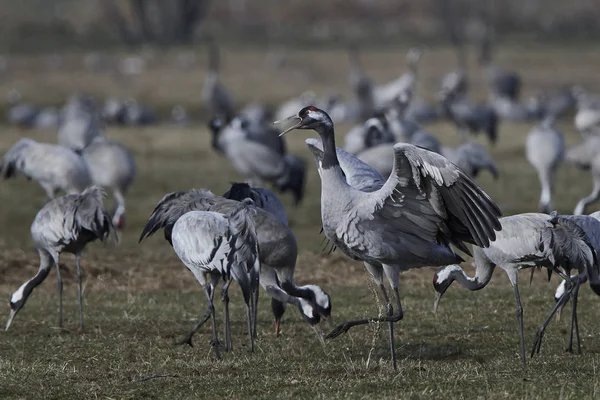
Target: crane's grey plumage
(587, 117)
(54, 167)
(260, 158)
(64, 225)
(262, 198)
(586, 155)
(469, 117)
(506, 84)
(277, 245)
(471, 157)
(525, 241)
(214, 94)
(215, 246)
(81, 123)
(386, 93)
(361, 86)
(545, 149)
(426, 205)
(111, 166)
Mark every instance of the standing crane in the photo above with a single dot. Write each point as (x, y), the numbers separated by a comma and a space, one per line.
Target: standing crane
(545, 149)
(525, 241)
(214, 94)
(586, 156)
(54, 167)
(111, 166)
(426, 205)
(214, 246)
(64, 225)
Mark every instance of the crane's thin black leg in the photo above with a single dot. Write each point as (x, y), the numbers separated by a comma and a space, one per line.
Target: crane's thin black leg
(79, 291)
(213, 319)
(225, 299)
(188, 338)
(574, 322)
(389, 309)
(255, 293)
(520, 321)
(537, 341)
(60, 294)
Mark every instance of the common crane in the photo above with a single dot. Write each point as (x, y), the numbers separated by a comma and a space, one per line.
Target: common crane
(214, 246)
(214, 94)
(54, 167)
(426, 204)
(111, 166)
(277, 245)
(586, 156)
(64, 225)
(525, 241)
(545, 149)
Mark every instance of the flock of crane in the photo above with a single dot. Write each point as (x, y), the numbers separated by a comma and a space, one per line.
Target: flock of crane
(393, 198)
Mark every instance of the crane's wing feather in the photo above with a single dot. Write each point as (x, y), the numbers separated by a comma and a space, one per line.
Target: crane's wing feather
(429, 197)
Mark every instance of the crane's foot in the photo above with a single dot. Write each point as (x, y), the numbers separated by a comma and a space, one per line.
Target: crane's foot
(216, 345)
(185, 340)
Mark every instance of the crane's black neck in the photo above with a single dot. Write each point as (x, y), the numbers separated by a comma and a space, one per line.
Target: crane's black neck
(29, 286)
(328, 138)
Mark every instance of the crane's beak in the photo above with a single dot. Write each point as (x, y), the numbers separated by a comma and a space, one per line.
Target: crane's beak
(11, 316)
(293, 117)
(436, 301)
(329, 320)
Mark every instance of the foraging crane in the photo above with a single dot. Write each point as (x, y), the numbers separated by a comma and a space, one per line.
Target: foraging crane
(111, 166)
(262, 198)
(214, 246)
(64, 225)
(469, 117)
(214, 93)
(586, 156)
(426, 204)
(525, 241)
(54, 167)
(260, 161)
(545, 149)
(277, 246)
(590, 225)
(81, 123)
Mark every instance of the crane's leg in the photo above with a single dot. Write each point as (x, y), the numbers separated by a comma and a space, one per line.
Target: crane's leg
(210, 293)
(546, 195)
(119, 215)
(537, 341)
(209, 311)
(580, 208)
(574, 322)
(392, 274)
(255, 277)
(60, 291)
(79, 291)
(225, 299)
(513, 277)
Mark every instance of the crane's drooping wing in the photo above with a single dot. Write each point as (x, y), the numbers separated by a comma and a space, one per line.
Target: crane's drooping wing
(359, 175)
(429, 197)
(171, 207)
(567, 245)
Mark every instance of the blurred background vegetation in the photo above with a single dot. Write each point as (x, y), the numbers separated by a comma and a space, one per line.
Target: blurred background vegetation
(29, 25)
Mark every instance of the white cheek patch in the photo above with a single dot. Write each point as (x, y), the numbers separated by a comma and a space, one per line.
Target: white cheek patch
(307, 309)
(444, 274)
(18, 295)
(320, 297)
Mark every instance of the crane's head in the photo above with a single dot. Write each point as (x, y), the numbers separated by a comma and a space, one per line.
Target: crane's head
(442, 280)
(321, 300)
(309, 117)
(309, 312)
(17, 301)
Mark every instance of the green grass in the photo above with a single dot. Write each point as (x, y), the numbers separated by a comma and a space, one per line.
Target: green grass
(139, 298)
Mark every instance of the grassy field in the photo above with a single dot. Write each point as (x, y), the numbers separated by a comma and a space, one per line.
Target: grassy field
(139, 298)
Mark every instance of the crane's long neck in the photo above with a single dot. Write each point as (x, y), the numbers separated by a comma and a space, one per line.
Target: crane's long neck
(327, 134)
(483, 274)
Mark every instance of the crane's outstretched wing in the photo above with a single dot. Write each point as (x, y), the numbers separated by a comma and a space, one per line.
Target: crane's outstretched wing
(359, 174)
(428, 197)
